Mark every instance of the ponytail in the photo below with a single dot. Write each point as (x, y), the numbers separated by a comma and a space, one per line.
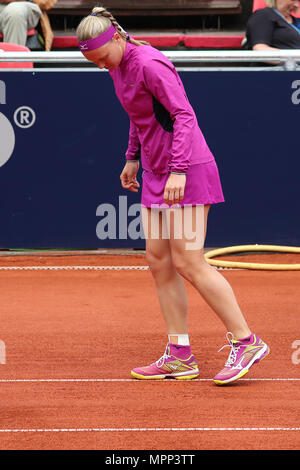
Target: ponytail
(88, 28)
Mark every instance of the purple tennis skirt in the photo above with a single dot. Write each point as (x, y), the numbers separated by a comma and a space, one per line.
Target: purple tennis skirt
(203, 186)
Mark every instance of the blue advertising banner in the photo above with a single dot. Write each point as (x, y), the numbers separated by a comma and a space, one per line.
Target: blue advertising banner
(63, 136)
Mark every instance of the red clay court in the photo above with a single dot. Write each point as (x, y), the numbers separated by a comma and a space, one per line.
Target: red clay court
(76, 324)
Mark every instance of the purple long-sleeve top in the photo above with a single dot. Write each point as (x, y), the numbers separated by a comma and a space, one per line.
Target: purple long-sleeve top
(164, 130)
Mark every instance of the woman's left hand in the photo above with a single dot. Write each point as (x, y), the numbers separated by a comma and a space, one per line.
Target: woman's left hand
(174, 189)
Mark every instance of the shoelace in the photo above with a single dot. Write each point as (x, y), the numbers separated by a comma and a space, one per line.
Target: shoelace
(160, 362)
(233, 352)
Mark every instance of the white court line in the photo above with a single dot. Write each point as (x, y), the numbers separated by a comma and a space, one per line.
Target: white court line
(73, 268)
(283, 379)
(88, 268)
(144, 429)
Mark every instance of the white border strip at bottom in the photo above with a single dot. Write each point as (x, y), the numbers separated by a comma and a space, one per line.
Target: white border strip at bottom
(207, 429)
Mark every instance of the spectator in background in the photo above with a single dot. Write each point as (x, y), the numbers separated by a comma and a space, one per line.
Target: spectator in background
(274, 27)
(17, 17)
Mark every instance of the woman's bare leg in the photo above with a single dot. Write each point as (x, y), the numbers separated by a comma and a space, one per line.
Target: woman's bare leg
(212, 286)
(169, 283)
(173, 258)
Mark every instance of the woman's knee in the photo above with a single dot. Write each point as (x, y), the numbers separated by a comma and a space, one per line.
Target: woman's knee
(190, 266)
(183, 268)
(158, 262)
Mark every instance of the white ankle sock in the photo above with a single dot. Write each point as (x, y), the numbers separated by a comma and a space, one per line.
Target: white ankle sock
(183, 340)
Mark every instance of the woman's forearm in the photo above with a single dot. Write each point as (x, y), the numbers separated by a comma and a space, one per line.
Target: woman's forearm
(264, 47)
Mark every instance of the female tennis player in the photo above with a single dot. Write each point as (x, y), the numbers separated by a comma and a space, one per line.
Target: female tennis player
(180, 182)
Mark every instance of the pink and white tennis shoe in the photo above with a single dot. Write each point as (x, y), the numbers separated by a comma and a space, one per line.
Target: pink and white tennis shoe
(243, 354)
(177, 362)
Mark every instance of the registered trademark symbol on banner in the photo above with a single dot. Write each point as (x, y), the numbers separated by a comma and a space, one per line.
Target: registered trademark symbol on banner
(24, 117)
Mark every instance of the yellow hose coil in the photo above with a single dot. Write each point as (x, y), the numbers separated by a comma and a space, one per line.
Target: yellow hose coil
(244, 248)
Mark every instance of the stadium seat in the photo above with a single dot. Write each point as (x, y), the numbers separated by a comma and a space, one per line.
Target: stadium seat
(192, 41)
(257, 4)
(8, 47)
(31, 32)
(232, 41)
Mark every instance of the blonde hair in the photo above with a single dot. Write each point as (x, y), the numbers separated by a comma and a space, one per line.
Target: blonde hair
(101, 19)
(271, 3)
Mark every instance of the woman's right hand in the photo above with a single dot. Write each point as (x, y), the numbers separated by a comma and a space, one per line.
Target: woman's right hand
(128, 175)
